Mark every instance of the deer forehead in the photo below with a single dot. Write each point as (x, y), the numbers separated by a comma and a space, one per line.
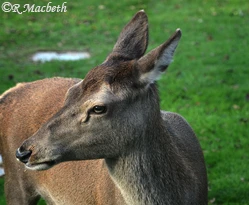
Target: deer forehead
(103, 96)
(115, 76)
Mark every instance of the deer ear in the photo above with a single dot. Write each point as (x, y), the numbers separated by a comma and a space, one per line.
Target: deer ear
(133, 40)
(153, 64)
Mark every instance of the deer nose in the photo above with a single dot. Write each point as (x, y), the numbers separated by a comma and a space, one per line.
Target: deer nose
(23, 155)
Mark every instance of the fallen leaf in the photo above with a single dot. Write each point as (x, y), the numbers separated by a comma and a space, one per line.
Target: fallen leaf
(236, 107)
(212, 201)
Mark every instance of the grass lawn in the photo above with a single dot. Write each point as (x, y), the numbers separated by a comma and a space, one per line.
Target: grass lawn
(208, 82)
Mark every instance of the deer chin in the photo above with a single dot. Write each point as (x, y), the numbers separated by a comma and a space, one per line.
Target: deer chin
(41, 165)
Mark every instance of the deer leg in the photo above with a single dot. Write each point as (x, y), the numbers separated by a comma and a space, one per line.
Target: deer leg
(19, 193)
(18, 186)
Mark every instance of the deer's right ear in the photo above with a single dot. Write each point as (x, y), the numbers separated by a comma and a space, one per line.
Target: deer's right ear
(154, 63)
(133, 40)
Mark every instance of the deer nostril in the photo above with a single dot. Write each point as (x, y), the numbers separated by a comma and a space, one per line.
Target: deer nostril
(23, 155)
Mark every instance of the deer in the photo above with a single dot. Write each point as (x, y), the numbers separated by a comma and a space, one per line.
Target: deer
(102, 139)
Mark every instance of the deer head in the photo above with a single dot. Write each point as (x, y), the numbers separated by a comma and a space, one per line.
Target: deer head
(110, 110)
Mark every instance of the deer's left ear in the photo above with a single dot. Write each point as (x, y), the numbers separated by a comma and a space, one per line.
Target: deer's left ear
(153, 64)
(133, 40)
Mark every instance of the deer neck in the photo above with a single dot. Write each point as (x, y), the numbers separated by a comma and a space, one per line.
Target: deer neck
(147, 175)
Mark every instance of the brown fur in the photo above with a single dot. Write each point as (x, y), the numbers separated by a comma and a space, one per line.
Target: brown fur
(23, 109)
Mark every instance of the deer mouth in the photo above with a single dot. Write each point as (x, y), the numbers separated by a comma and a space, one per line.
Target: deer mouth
(31, 160)
(40, 165)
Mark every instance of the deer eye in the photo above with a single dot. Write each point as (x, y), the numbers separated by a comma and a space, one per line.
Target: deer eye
(99, 109)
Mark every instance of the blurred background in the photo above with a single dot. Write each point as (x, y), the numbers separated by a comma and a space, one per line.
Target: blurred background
(208, 82)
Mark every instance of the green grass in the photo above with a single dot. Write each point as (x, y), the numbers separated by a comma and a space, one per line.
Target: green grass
(208, 82)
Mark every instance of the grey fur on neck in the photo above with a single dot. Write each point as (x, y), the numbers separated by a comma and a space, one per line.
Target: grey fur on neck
(151, 173)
